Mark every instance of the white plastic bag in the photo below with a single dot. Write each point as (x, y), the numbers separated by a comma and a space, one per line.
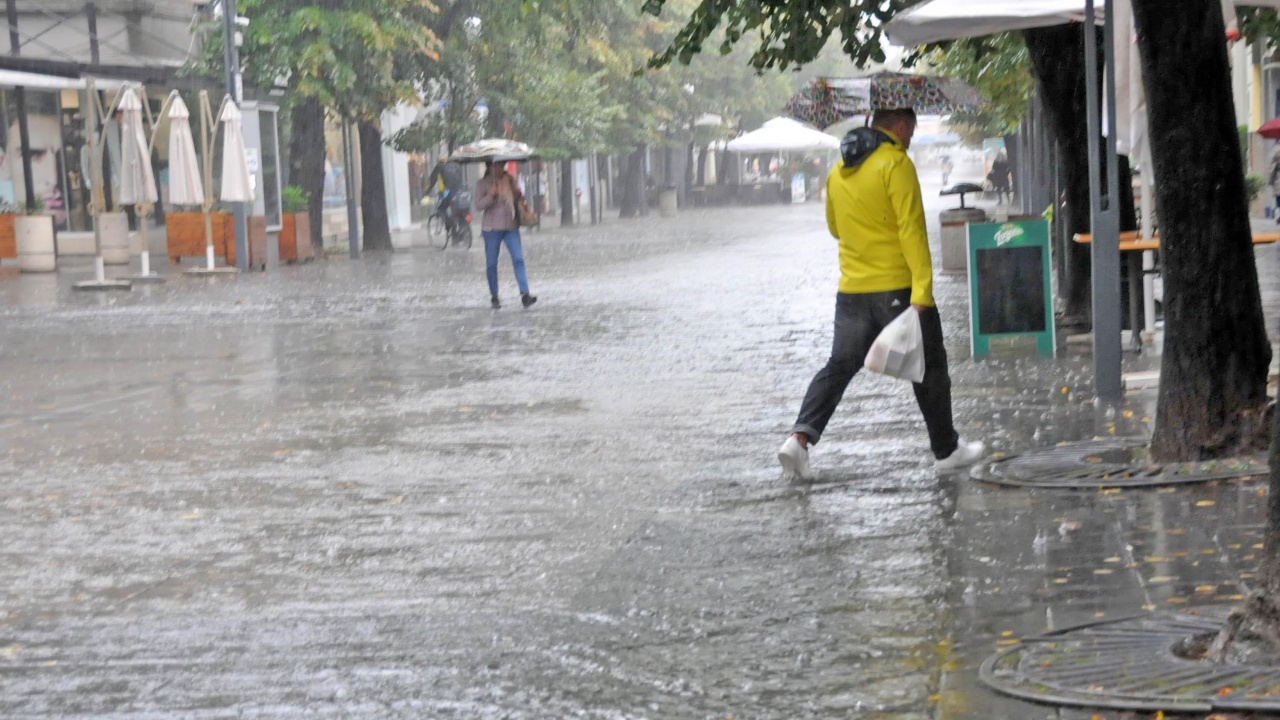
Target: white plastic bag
(899, 349)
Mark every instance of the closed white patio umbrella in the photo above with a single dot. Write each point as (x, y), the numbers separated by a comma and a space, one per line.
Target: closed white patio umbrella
(185, 187)
(236, 184)
(137, 181)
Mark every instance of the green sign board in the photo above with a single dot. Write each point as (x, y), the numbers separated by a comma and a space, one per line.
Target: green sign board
(1010, 287)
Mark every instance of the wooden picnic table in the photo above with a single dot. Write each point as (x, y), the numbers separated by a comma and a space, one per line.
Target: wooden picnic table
(1132, 246)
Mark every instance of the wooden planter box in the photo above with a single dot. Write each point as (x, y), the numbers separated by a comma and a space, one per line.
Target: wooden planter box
(257, 239)
(185, 231)
(8, 240)
(295, 238)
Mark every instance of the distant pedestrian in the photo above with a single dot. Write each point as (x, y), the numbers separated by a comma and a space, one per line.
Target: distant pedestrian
(1274, 180)
(1001, 180)
(875, 211)
(947, 167)
(496, 195)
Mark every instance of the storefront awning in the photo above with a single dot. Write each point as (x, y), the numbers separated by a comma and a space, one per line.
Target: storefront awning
(37, 81)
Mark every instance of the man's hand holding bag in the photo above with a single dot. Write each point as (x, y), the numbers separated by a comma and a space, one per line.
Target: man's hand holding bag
(898, 350)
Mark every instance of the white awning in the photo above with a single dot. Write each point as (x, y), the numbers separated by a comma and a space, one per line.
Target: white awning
(37, 81)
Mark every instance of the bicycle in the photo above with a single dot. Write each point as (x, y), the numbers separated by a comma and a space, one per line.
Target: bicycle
(438, 226)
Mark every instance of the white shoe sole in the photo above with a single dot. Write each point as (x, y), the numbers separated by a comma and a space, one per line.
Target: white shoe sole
(789, 470)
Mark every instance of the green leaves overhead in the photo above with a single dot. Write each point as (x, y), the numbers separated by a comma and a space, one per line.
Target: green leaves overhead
(347, 55)
(787, 32)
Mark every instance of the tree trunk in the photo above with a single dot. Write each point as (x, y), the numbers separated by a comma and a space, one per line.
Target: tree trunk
(1057, 55)
(306, 162)
(373, 190)
(690, 149)
(1213, 374)
(633, 201)
(566, 193)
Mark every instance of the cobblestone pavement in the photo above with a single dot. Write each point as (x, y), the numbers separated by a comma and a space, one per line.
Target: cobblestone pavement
(350, 489)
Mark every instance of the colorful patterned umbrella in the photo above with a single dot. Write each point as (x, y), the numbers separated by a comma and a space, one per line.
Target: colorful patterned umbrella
(827, 101)
(493, 150)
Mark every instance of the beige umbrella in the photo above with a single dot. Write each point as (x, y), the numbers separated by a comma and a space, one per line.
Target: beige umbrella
(185, 187)
(236, 183)
(137, 182)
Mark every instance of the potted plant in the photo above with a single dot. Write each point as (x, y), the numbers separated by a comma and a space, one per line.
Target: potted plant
(184, 231)
(8, 244)
(33, 235)
(295, 230)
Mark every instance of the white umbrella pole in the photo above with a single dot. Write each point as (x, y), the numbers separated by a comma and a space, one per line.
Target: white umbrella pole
(206, 143)
(99, 281)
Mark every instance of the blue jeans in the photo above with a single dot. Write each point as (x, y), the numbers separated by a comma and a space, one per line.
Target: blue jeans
(493, 240)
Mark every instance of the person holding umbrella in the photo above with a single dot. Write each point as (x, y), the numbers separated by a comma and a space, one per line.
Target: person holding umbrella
(496, 195)
(876, 212)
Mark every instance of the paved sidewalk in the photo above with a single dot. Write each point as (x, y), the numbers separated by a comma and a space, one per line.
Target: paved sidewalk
(350, 489)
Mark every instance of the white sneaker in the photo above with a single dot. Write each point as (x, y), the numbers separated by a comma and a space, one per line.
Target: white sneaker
(795, 461)
(965, 454)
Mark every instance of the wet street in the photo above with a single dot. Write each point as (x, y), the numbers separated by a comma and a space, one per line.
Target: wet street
(351, 489)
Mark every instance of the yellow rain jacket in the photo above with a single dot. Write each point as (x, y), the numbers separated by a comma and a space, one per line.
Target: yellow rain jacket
(876, 212)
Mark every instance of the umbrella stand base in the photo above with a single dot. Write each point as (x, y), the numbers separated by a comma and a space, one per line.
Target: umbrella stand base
(211, 271)
(152, 278)
(103, 285)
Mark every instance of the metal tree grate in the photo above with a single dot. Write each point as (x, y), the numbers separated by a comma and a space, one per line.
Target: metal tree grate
(1109, 463)
(1130, 664)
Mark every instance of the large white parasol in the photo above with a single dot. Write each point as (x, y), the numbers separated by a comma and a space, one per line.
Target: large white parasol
(783, 134)
(185, 187)
(137, 182)
(236, 185)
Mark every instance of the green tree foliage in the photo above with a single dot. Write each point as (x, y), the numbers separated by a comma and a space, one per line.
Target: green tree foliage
(999, 67)
(787, 32)
(343, 53)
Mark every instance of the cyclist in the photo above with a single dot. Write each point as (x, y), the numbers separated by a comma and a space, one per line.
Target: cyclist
(447, 176)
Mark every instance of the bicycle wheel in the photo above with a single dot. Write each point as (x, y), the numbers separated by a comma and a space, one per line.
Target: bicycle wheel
(435, 231)
(462, 236)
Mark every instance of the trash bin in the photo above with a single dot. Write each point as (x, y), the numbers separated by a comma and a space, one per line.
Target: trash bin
(955, 244)
(954, 240)
(667, 201)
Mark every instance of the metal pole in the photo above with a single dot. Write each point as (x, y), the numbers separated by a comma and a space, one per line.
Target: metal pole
(91, 18)
(20, 100)
(1105, 247)
(353, 218)
(232, 59)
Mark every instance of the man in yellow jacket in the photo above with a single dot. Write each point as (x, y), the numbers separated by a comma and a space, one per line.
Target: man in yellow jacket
(875, 210)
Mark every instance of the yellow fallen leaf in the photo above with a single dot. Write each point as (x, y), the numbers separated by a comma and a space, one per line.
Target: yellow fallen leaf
(1206, 503)
(1127, 414)
(465, 409)
(1154, 559)
(1007, 633)
(1112, 560)
(1206, 589)
(1176, 600)
(1161, 579)
(192, 516)
(1103, 571)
